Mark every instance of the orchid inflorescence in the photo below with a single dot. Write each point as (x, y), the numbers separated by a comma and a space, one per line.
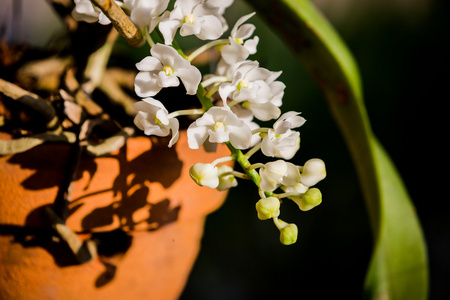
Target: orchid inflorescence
(239, 91)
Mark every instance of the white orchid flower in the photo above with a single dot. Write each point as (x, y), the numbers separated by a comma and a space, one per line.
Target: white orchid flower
(163, 69)
(205, 175)
(246, 115)
(313, 171)
(144, 12)
(281, 141)
(277, 173)
(222, 5)
(221, 125)
(266, 105)
(226, 179)
(85, 11)
(152, 118)
(193, 17)
(249, 82)
(239, 49)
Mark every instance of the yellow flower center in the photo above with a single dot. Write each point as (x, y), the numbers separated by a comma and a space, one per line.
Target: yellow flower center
(190, 19)
(157, 121)
(168, 70)
(219, 126)
(242, 84)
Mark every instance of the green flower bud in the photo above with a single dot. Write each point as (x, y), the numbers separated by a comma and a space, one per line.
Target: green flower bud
(288, 234)
(268, 208)
(310, 199)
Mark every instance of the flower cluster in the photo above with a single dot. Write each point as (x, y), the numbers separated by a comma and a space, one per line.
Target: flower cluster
(233, 98)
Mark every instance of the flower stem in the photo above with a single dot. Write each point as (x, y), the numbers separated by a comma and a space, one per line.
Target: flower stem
(214, 79)
(148, 38)
(253, 151)
(205, 47)
(260, 130)
(222, 159)
(184, 112)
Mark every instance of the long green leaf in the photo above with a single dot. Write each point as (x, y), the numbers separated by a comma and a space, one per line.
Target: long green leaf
(399, 267)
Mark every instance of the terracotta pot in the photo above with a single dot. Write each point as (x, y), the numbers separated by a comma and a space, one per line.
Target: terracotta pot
(139, 205)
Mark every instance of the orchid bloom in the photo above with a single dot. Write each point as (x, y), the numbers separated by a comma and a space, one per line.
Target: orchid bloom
(221, 125)
(205, 175)
(85, 11)
(226, 179)
(281, 141)
(255, 87)
(246, 79)
(313, 171)
(193, 17)
(152, 118)
(277, 173)
(239, 49)
(163, 69)
(144, 12)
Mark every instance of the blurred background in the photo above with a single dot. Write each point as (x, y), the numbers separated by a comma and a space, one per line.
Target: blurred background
(402, 48)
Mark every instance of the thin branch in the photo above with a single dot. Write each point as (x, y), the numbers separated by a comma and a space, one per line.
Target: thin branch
(121, 22)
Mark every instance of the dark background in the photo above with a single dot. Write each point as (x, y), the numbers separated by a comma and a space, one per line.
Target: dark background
(402, 49)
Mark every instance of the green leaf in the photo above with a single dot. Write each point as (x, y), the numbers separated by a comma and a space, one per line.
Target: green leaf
(399, 267)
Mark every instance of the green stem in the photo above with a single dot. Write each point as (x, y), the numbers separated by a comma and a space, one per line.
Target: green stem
(148, 38)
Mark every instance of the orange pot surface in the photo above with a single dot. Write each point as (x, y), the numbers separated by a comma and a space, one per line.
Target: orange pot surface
(139, 204)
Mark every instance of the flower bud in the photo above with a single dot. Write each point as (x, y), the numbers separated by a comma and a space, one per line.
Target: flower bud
(313, 171)
(268, 208)
(226, 181)
(205, 175)
(288, 234)
(309, 200)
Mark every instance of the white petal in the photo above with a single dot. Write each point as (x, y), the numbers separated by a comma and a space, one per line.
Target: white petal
(165, 54)
(187, 6)
(174, 126)
(84, 11)
(292, 176)
(211, 28)
(239, 22)
(168, 29)
(196, 135)
(155, 21)
(234, 52)
(219, 136)
(145, 84)
(190, 29)
(313, 172)
(225, 89)
(240, 137)
(205, 175)
(167, 81)
(263, 111)
(191, 78)
(161, 115)
(149, 63)
(267, 147)
(245, 31)
(103, 19)
(251, 45)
